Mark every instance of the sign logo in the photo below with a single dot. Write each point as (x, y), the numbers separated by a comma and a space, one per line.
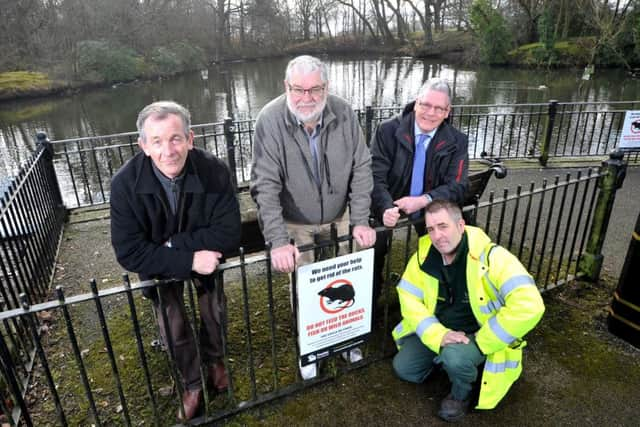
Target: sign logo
(337, 296)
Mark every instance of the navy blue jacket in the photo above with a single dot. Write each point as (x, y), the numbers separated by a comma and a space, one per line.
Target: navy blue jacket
(208, 217)
(446, 168)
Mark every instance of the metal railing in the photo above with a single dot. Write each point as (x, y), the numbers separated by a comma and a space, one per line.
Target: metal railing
(31, 223)
(514, 131)
(97, 354)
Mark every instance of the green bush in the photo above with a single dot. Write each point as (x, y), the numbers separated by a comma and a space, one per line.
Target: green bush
(104, 61)
(178, 57)
(489, 26)
(164, 61)
(191, 56)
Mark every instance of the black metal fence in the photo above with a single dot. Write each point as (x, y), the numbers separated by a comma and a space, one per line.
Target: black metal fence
(95, 359)
(31, 220)
(515, 131)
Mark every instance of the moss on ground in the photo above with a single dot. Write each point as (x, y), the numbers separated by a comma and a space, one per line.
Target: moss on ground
(575, 372)
(571, 52)
(14, 84)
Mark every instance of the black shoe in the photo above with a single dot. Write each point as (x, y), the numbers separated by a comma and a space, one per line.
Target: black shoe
(453, 410)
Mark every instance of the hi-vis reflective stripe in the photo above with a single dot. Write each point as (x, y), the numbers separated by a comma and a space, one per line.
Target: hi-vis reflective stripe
(515, 282)
(398, 328)
(483, 255)
(411, 288)
(496, 368)
(425, 323)
(496, 293)
(490, 307)
(503, 335)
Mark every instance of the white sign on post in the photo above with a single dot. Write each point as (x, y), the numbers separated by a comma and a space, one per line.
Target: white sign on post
(630, 133)
(334, 304)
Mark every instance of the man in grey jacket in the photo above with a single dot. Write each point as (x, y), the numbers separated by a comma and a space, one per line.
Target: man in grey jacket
(310, 161)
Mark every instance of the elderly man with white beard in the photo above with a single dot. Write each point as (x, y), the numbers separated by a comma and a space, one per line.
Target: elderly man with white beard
(310, 162)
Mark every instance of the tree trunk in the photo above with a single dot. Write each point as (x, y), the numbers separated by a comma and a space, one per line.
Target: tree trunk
(363, 18)
(425, 20)
(381, 19)
(402, 27)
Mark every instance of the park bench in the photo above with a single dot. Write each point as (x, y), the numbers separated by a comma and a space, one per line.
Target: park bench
(477, 183)
(252, 237)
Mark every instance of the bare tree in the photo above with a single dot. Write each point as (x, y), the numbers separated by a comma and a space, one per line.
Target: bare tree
(609, 22)
(362, 17)
(401, 27)
(426, 19)
(306, 10)
(532, 11)
(381, 20)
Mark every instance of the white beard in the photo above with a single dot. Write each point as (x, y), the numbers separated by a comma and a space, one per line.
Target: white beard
(313, 116)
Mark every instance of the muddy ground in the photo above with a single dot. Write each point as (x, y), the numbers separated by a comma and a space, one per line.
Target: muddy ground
(575, 371)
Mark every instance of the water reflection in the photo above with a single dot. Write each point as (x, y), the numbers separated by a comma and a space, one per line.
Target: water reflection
(242, 88)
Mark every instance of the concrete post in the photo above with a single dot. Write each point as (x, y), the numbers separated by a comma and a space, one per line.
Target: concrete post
(548, 132)
(615, 171)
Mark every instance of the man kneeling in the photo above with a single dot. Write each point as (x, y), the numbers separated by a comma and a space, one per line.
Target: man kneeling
(464, 301)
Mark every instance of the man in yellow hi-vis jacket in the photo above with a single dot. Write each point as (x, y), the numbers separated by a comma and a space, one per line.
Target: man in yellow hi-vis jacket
(464, 301)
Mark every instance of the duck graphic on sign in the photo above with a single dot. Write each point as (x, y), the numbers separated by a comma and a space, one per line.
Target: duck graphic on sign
(337, 296)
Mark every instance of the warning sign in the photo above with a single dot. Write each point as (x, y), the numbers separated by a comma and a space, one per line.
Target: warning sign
(630, 134)
(334, 304)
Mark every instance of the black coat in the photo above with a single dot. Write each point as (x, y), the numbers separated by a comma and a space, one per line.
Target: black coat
(208, 217)
(446, 169)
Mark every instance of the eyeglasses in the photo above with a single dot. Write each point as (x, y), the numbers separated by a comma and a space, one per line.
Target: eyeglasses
(428, 107)
(314, 91)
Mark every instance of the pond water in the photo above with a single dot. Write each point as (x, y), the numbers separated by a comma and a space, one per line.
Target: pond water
(240, 89)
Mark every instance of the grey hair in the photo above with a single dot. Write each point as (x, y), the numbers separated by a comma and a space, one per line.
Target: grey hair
(306, 64)
(452, 209)
(161, 110)
(437, 85)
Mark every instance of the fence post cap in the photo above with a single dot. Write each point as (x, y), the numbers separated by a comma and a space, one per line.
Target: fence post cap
(42, 137)
(616, 155)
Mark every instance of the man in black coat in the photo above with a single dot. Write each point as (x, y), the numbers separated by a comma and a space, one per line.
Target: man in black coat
(174, 215)
(406, 179)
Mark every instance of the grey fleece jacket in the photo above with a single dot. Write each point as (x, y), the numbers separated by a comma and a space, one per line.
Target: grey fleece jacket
(282, 183)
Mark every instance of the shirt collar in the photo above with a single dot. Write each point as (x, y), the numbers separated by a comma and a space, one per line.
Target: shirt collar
(318, 125)
(417, 131)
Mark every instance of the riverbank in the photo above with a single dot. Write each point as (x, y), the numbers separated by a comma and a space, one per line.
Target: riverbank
(451, 47)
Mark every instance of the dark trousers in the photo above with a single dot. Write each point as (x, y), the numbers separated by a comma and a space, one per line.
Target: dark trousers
(414, 362)
(182, 343)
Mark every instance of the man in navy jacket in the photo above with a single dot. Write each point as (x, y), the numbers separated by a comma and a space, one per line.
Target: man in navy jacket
(406, 179)
(174, 215)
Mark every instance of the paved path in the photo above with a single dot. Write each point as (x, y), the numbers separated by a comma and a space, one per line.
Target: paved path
(625, 210)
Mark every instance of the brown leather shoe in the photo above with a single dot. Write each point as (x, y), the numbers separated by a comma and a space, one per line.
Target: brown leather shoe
(217, 378)
(190, 404)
